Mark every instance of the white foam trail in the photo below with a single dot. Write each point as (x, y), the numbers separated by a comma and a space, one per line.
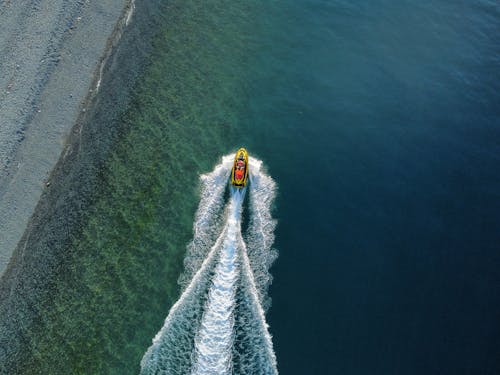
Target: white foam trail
(213, 344)
(259, 236)
(207, 223)
(170, 352)
(256, 333)
(218, 324)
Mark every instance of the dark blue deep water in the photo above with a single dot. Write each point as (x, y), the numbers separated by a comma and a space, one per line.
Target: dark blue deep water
(380, 122)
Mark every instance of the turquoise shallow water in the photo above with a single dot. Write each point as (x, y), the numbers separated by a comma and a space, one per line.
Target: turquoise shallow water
(379, 123)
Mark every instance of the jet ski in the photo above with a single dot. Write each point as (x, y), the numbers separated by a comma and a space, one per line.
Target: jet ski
(239, 174)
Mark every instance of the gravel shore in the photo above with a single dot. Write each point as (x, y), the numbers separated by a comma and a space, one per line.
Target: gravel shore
(52, 53)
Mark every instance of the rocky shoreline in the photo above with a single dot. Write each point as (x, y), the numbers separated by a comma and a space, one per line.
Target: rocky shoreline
(52, 54)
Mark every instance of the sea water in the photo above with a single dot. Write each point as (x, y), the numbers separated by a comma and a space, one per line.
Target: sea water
(379, 122)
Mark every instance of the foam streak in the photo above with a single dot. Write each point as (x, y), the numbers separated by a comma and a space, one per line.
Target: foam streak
(213, 344)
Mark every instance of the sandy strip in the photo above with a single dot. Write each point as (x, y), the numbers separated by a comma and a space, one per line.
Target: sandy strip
(51, 52)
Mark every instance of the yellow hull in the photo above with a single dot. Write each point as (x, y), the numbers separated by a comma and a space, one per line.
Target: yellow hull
(239, 179)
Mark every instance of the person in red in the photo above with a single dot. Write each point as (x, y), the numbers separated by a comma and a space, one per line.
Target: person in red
(240, 169)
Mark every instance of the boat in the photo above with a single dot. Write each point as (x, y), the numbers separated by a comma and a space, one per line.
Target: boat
(239, 174)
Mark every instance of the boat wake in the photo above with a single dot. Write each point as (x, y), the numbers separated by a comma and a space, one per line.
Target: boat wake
(218, 324)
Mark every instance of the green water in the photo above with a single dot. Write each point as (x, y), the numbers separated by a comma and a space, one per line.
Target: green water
(119, 279)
